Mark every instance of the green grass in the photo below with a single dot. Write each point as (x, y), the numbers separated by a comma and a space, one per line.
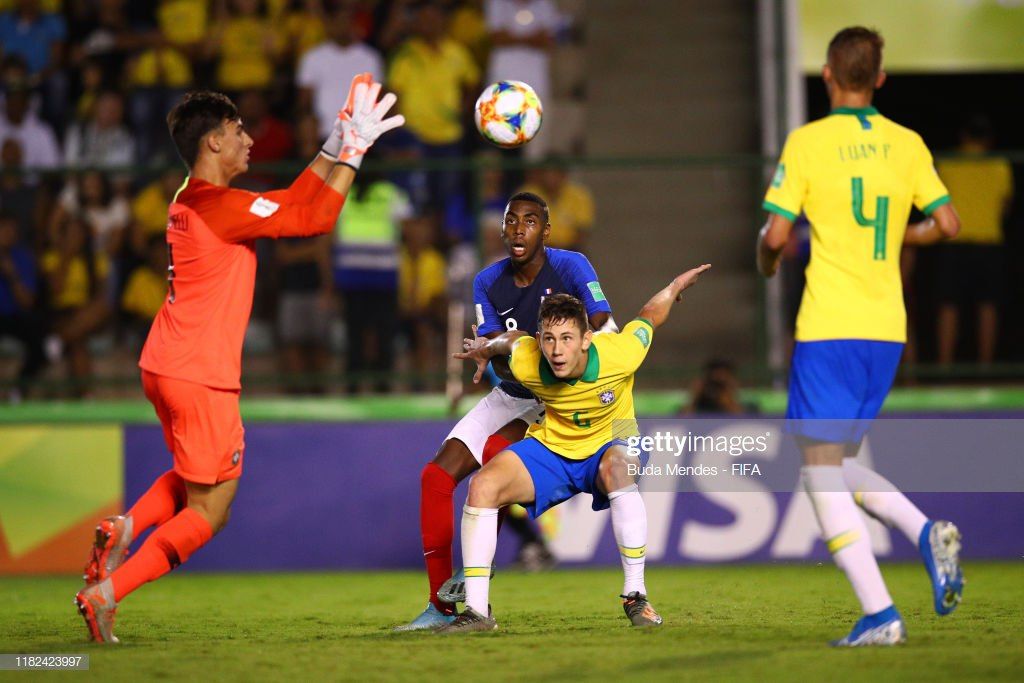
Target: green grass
(725, 622)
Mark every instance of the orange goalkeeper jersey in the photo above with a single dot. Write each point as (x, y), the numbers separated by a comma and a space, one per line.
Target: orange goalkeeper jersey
(211, 232)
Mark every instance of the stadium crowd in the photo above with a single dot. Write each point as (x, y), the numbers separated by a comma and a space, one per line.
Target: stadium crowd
(88, 170)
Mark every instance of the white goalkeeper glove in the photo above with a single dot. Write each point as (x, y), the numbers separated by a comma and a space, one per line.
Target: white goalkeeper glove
(361, 122)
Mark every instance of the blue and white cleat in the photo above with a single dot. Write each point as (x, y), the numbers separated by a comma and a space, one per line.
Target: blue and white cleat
(430, 620)
(939, 545)
(882, 628)
(454, 589)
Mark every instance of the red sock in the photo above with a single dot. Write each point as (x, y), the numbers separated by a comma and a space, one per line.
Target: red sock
(496, 444)
(170, 545)
(157, 505)
(437, 528)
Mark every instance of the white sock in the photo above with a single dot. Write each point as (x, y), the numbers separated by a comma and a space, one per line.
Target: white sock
(629, 522)
(846, 534)
(882, 500)
(479, 539)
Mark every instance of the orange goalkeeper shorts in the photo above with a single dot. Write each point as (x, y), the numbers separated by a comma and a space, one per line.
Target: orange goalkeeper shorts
(202, 427)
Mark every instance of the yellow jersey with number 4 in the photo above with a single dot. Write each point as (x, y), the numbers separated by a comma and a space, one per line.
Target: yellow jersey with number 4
(855, 174)
(583, 414)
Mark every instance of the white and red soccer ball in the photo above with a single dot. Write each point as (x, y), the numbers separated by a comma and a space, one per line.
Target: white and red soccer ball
(508, 113)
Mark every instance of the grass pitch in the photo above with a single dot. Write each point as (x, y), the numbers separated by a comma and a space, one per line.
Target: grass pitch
(721, 623)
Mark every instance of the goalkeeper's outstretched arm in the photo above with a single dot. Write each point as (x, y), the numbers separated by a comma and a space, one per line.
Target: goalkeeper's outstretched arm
(656, 310)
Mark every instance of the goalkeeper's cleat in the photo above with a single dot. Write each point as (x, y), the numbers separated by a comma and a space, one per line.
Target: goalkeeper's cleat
(639, 610)
(97, 606)
(939, 545)
(430, 619)
(113, 536)
(883, 628)
(469, 621)
(454, 589)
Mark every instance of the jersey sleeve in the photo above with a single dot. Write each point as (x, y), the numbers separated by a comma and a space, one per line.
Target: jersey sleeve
(581, 279)
(629, 347)
(303, 189)
(525, 361)
(788, 188)
(487, 320)
(929, 191)
(240, 216)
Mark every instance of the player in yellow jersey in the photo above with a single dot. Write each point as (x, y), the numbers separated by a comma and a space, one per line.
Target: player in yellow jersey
(586, 383)
(856, 174)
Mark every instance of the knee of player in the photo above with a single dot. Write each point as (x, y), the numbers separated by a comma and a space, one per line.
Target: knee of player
(614, 469)
(484, 491)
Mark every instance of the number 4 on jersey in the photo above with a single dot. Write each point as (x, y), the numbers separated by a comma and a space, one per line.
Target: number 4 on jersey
(881, 220)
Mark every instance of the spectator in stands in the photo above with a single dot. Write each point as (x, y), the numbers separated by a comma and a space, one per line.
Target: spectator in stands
(149, 208)
(304, 28)
(35, 137)
(717, 391)
(435, 80)
(38, 37)
(103, 140)
(247, 45)
(76, 275)
(24, 202)
(91, 198)
(422, 285)
(307, 137)
(183, 24)
(393, 23)
(305, 302)
(335, 60)
(272, 137)
(366, 274)
(570, 204)
(522, 34)
(108, 36)
(469, 27)
(18, 297)
(971, 270)
(92, 83)
(146, 289)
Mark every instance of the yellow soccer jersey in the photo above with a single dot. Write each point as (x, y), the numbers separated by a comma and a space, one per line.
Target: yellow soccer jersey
(855, 174)
(585, 413)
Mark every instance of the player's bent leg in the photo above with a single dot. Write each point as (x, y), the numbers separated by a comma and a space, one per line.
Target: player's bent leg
(939, 547)
(629, 523)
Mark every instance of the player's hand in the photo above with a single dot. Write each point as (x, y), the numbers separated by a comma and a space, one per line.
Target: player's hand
(476, 351)
(689, 278)
(332, 146)
(361, 126)
(475, 342)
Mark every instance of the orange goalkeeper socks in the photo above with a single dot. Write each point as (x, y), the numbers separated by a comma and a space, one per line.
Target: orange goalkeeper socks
(157, 505)
(169, 546)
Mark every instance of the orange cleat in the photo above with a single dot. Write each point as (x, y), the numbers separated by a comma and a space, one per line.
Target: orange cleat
(113, 536)
(97, 606)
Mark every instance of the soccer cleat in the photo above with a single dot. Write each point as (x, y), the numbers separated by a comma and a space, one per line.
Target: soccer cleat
(97, 606)
(884, 628)
(431, 619)
(470, 620)
(939, 545)
(534, 557)
(113, 536)
(454, 589)
(639, 610)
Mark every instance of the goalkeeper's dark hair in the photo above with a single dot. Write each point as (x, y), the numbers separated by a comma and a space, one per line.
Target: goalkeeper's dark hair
(559, 308)
(199, 113)
(536, 199)
(855, 56)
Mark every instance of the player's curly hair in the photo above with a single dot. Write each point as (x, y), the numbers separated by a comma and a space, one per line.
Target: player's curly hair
(855, 56)
(558, 308)
(196, 115)
(531, 197)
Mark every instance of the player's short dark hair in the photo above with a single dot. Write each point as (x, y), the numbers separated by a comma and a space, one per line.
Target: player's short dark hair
(560, 308)
(855, 56)
(531, 197)
(196, 115)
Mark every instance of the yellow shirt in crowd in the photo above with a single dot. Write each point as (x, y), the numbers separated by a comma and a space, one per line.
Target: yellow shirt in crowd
(421, 279)
(75, 292)
(571, 214)
(982, 188)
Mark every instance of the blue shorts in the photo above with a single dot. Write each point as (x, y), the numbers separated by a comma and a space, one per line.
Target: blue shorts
(837, 387)
(557, 479)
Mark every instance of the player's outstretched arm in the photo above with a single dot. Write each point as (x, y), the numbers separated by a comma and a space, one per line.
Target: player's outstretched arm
(943, 224)
(770, 243)
(481, 350)
(656, 310)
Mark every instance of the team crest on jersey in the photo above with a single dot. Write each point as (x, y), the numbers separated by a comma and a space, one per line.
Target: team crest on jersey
(263, 207)
(607, 397)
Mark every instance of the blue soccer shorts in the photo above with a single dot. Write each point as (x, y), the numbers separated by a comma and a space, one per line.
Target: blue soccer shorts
(557, 479)
(837, 387)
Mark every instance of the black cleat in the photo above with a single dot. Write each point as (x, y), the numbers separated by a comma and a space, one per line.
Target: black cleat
(470, 620)
(639, 611)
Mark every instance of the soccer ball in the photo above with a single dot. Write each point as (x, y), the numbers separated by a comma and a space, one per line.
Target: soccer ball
(508, 113)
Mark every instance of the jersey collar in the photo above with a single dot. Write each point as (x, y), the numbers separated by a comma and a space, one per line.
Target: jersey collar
(590, 373)
(855, 111)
